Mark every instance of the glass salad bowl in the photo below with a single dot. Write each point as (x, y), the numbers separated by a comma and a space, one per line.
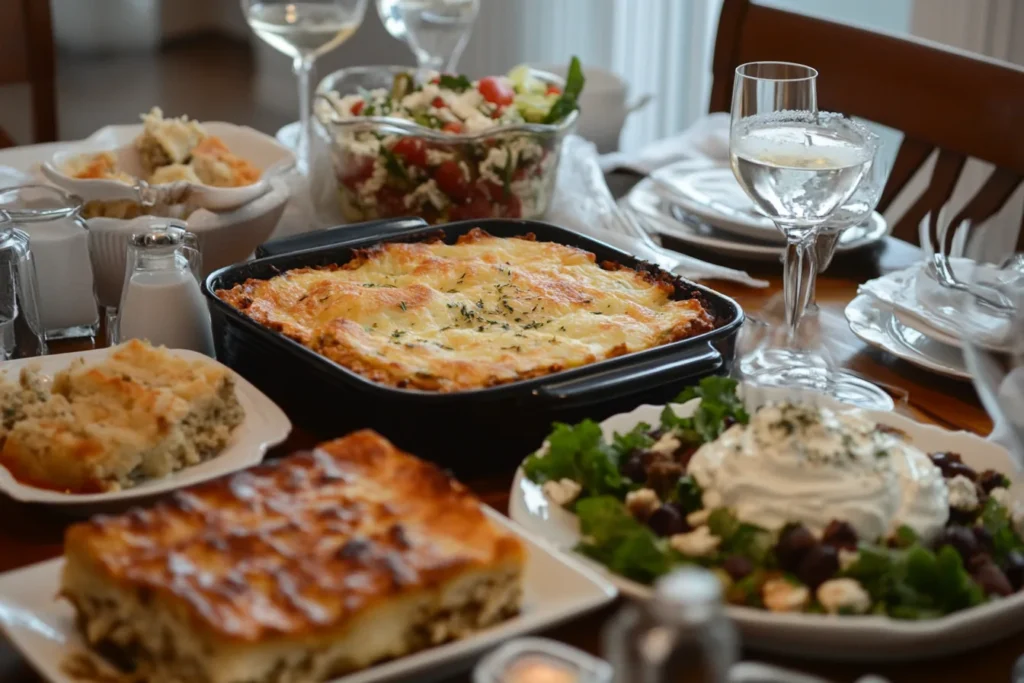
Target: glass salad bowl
(446, 150)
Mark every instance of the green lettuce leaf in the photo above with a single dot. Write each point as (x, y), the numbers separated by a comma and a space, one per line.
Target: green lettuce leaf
(996, 520)
(718, 401)
(579, 452)
(615, 538)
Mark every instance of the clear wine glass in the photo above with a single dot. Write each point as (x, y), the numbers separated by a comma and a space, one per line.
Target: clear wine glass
(304, 31)
(799, 165)
(994, 347)
(436, 30)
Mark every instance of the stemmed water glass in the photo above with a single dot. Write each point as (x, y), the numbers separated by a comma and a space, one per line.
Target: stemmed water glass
(799, 165)
(436, 30)
(304, 31)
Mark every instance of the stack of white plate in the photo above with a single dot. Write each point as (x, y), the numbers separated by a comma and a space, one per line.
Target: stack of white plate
(700, 203)
(910, 315)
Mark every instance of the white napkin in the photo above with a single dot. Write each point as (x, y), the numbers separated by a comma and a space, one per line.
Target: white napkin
(707, 138)
(9, 177)
(583, 202)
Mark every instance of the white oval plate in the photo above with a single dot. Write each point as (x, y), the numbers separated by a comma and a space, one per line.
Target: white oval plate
(265, 425)
(672, 220)
(714, 196)
(873, 323)
(262, 151)
(864, 638)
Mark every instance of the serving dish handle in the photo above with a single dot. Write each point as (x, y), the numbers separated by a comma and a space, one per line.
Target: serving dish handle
(618, 382)
(341, 234)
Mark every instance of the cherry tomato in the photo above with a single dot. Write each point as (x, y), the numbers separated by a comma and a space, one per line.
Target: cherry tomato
(553, 90)
(452, 127)
(496, 91)
(476, 208)
(435, 80)
(513, 208)
(356, 172)
(496, 114)
(519, 173)
(412, 150)
(452, 181)
(492, 191)
(391, 202)
(357, 108)
(438, 103)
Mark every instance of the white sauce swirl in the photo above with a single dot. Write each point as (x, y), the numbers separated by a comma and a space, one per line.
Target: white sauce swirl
(798, 463)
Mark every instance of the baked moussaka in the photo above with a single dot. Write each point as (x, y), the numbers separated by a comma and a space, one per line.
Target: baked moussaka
(299, 571)
(481, 312)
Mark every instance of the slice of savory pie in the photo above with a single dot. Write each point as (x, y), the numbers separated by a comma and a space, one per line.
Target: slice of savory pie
(140, 413)
(298, 571)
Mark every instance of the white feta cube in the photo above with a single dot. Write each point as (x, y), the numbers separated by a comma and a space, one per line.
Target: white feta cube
(844, 594)
(562, 492)
(963, 495)
(697, 543)
(780, 595)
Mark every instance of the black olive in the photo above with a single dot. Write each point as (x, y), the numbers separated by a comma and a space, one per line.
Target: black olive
(962, 539)
(1014, 569)
(633, 467)
(984, 538)
(728, 421)
(840, 535)
(990, 479)
(683, 454)
(940, 458)
(991, 578)
(738, 567)
(667, 520)
(794, 542)
(963, 517)
(818, 565)
(954, 469)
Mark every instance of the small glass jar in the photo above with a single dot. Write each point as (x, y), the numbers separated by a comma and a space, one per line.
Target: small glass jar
(539, 660)
(59, 243)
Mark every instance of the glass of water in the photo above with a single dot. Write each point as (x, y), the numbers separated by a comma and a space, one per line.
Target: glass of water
(799, 165)
(436, 30)
(304, 31)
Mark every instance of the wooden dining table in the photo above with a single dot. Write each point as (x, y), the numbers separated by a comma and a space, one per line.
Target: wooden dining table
(33, 533)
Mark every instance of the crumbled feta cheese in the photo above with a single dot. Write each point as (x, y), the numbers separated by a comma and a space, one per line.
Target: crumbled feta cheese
(561, 492)
(667, 444)
(368, 190)
(698, 517)
(1002, 496)
(466, 104)
(492, 167)
(963, 495)
(477, 123)
(421, 98)
(642, 502)
(843, 594)
(780, 595)
(847, 558)
(712, 499)
(697, 543)
(436, 157)
(362, 145)
(428, 191)
(465, 170)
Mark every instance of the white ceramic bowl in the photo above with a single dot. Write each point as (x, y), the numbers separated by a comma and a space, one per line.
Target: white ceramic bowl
(224, 238)
(262, 151)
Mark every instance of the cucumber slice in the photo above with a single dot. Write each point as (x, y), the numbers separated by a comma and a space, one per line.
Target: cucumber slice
(524, 82)
(534, 106)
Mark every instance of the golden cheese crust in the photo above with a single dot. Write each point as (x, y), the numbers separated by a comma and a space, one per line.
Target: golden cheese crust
(482, 312)
(298, 548)
(139, 413)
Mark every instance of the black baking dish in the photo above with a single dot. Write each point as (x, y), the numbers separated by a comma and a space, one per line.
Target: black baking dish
(472, 432)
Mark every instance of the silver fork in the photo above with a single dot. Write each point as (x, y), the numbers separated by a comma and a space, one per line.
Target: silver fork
(940, 270)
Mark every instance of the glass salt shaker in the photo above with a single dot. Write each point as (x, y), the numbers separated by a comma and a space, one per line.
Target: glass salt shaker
(161, 300)
(59, 244)
(21, 331)
(682, 633)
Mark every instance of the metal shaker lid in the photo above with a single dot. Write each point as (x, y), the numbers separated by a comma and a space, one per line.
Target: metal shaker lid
(687, 595)
(170, 235)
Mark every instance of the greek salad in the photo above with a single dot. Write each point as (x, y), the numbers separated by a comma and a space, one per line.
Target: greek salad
(491, 167)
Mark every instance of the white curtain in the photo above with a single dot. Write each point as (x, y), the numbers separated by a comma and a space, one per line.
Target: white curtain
(660, 47)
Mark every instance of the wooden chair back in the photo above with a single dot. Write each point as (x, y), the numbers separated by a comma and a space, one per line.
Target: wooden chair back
(27, 56)
(941, 99)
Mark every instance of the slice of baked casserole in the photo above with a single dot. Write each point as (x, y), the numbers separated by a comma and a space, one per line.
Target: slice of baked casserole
(140, 413)
(298, 571)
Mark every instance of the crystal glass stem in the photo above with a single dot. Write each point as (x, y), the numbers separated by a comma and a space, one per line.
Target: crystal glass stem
(303, 67)
(824, 249)
(801, 269)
